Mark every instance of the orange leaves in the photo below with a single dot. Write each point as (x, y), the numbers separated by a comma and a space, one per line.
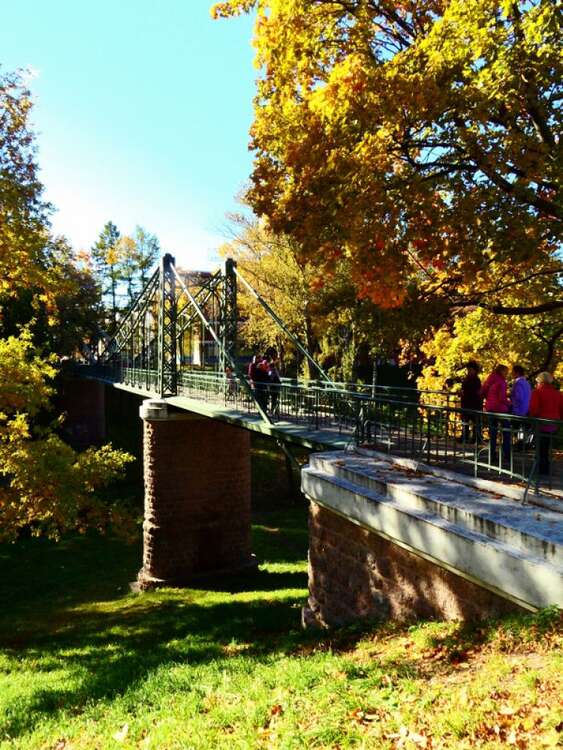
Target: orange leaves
(521, 727)
(383, 124)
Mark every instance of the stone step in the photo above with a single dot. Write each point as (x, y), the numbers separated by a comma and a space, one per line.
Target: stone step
(510, 570)
(532, 530)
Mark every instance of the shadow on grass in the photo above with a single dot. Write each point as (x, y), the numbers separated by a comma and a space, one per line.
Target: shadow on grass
(66, 610)
(105, 653)
(67, 607)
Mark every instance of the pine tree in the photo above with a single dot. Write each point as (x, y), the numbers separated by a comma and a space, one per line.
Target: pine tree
(148, 252)
(108, 269)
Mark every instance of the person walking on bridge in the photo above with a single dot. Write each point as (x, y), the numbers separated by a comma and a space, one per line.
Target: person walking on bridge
(275, 381)
(520, 393)
(546, 403)
(258, 375)
(494, 392)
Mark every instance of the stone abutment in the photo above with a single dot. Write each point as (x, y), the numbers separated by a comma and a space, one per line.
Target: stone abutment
(391, 540)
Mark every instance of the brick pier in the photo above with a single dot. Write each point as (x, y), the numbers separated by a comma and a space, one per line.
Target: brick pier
(84, 402)
(197, 497)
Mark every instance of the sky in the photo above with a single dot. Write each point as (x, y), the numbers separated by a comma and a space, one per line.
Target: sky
(142, 111)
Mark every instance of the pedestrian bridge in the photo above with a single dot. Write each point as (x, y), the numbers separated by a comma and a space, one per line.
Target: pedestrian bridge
(178, 343)
(389, 536)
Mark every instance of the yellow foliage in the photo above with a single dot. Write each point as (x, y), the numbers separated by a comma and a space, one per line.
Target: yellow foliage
(419, 138)
(45, 482)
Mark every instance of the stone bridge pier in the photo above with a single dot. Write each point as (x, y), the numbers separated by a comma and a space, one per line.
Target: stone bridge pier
(197, 497)
(84, 401)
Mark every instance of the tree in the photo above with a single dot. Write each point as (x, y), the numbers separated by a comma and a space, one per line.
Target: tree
(122, 264)
(322, 313)
(47, 486)
(65, 317)
(106, 255)
(417, 139)
(24, 252)
(147, 253)
(137, 255)
(271, 267)
(533, 341)
(44, 484)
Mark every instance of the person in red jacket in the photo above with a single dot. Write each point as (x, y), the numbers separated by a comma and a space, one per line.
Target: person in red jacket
(496, 400)
(546, 403)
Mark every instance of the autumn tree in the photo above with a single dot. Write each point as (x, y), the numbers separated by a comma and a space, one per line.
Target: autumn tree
(122, 266)
(270, 264)
(323, 313)
(65, 316)
(137, 255)
(533, 341)
(24, 255)
(147, 253)
(44, 484)
(418, 140)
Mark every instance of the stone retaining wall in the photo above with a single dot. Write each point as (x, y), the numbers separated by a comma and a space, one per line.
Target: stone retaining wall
(357, 574)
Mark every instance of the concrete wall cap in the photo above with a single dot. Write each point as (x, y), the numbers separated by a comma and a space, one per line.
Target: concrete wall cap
(153, 409)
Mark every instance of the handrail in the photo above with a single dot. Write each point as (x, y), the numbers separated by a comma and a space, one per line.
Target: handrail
(433, 433)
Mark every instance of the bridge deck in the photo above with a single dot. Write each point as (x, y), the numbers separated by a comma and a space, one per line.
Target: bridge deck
(303, 431)
(303, 435)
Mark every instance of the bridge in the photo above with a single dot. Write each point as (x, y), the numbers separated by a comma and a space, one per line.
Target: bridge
(177, 349)
(178, 344)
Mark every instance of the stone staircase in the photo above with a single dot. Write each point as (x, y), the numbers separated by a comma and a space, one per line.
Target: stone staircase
(483, 536)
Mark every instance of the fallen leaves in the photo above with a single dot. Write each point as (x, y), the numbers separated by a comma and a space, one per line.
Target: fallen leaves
(359, 716)
(523, 726)
(406, 737)
(122, 733)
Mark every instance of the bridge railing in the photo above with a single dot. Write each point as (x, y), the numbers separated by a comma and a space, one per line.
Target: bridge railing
(520, 449)
(399, 393)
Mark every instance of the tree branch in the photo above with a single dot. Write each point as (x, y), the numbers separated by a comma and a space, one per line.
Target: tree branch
(512, 310)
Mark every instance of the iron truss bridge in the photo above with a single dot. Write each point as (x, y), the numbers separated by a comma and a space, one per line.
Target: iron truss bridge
(178, 343)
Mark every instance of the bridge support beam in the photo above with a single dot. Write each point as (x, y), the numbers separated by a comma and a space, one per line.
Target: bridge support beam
(197, 497)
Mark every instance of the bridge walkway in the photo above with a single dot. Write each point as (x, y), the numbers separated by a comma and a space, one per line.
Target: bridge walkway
(309, 420)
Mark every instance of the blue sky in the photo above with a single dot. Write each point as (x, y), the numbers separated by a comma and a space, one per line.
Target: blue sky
(142, 114)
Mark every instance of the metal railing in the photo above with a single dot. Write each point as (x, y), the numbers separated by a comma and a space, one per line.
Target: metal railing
(520, 449)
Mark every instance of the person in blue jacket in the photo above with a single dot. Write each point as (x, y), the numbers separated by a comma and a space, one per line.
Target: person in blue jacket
(520, 393)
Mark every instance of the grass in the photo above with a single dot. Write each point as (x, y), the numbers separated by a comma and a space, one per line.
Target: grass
(84, 663)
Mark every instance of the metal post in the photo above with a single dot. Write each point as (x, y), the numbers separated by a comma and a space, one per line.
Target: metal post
(167, 366)
(229, 314)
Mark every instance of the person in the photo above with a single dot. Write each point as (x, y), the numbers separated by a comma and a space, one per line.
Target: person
(546, 403)
(520, 393)
(494, 393)
(275, 381)
(258, 376)
(231, 382)
(472, 401)
(252, 369)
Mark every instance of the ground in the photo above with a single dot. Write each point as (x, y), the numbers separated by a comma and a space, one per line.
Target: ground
(84, 663)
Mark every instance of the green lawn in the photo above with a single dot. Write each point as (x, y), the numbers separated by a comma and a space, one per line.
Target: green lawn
(86, 664)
